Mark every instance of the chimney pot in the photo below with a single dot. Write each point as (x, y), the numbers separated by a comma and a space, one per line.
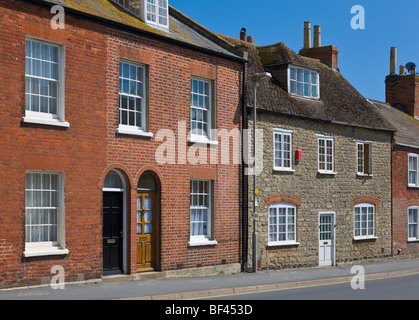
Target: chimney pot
(413, 70)
(402, 70)
(243, 34)
(393, 60)
(250, 39)
(317, 37)
(307, 35)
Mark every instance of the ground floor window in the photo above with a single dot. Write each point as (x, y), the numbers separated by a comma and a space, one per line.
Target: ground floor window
(44, 210)
(364, 220)
(282, 224)
(413, 233)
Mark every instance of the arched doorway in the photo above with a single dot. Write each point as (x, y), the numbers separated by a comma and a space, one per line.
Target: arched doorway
(147, 222)
(114, 223)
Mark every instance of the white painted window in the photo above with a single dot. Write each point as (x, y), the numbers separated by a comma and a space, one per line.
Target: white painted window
(44, 83)
(132, 96)
(413, 225)
(201, 91)
(282, 149)
(303, 82)
(364, 163)
(282, 224)
(156, 12)
(326, 155)
(364, 220)
(44, 206)
(200, 212)
(413, 170)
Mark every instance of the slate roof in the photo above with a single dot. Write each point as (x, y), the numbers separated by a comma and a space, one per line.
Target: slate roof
(181, 28)
(339, 101)
(407, 126)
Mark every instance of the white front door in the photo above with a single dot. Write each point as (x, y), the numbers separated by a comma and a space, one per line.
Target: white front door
(326, 239)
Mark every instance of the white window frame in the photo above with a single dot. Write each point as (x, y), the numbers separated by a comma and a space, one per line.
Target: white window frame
(38, 117)
(159, 6)
(272, 226)
(282, 133)
(414, 224)
(415, 158)
(142, 94)
(201, 138)
(361, 160)
(204, 239)
(326, 162)
(34, 249)
(303, 82)
(359, 228)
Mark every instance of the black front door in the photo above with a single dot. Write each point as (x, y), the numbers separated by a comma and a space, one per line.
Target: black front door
(112, 232)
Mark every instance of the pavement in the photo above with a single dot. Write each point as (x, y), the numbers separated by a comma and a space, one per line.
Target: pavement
(189, 288)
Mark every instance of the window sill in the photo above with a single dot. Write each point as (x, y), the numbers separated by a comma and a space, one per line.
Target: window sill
(134, 132)
(413, 240)
(365, 238)
(412, 186)
(198, 243)
(327, 172)
(283, 244)
(202, 140)
(44, 251)
(364, 175)
(283, 170)
(48, 122)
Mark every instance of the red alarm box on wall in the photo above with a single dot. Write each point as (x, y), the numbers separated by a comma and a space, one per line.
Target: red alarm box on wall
(298, 155)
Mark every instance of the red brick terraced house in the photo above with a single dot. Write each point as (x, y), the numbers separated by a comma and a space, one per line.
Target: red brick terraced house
(110, 142)
(402, 110)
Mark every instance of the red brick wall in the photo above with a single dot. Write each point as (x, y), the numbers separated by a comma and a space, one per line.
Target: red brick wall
(403, 198)
(89, 148)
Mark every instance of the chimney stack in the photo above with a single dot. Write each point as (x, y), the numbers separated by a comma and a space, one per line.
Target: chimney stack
(243, 34)
(393, 60)
(402, 90)
(326, 54)
(317, 37)
(307, 35)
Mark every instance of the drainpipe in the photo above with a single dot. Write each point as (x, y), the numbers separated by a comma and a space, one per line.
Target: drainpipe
(244, 206)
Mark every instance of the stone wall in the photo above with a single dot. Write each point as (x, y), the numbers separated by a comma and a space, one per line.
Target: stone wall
(312, 192)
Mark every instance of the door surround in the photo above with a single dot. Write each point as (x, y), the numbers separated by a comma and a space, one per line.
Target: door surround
(330, 237)
(122, 188)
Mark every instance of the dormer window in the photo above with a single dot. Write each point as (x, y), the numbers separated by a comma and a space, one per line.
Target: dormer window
(153, 12)
(303, 82)
(156, 12)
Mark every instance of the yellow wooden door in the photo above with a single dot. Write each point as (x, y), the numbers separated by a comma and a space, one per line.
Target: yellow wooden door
(145, 231)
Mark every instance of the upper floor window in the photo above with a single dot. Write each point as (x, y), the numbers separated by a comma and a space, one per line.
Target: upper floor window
(201, 109)
(132, 99)
(326, 154)
(156, 12)
(303, 82)
(44, 83)
(282, 149)
(364, 164)
(413, 169)
(413, 225)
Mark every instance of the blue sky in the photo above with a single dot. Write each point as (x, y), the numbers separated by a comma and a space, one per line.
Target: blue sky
(364, 55)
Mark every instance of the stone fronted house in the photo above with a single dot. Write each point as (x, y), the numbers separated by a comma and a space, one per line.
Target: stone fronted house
(402, 111)
(86, 111)
(323, 164)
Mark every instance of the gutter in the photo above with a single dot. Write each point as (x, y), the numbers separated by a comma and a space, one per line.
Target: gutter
(145, 33)
(405, 145)
(323, 120)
